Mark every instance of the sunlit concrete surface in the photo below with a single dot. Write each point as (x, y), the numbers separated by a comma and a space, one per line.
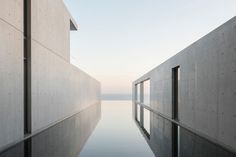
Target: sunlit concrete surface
(11, 71)
(55, 88)
(58, 88)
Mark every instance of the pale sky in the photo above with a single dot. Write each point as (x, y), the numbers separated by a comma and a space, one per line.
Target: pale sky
(120, 40)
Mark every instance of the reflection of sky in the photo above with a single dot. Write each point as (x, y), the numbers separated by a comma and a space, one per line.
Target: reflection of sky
(146, 121)
(120, 40)
(116, 134)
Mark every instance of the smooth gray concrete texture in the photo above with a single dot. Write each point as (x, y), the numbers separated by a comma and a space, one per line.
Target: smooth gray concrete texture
(11, 72)
(207, 86)
(67, 138)
(59, 89)
(11, 11)
(51, 26)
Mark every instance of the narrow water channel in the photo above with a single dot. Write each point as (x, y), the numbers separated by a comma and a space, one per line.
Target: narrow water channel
(116, 134)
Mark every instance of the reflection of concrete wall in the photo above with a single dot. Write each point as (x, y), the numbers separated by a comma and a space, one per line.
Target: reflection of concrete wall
(68, 137)
(161, 136)
(194, 146)
(65, 139)
(190, 144)
(11, 71)
(17, 151)
(207, 87)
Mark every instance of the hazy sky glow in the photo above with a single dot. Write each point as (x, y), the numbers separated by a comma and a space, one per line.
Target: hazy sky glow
(120, 40)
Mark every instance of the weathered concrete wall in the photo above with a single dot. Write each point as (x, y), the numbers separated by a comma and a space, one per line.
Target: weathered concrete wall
(11, 71)
(58, 88)
(207, 86)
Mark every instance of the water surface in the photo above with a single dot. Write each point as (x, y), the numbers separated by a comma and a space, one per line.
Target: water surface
(90, 133)
(116, 135)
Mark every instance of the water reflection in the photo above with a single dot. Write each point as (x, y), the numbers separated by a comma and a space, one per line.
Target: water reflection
(116, 134)
(66, 139)
(167, 139)
(146, 120)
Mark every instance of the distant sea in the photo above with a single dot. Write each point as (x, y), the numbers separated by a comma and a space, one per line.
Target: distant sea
(117, 97)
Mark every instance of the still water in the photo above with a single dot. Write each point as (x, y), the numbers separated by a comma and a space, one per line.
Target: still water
(102, 130)
(108, 130)
(116, 135)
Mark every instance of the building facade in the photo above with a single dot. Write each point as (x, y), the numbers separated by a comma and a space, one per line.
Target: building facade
(39, 87)
(190, 109)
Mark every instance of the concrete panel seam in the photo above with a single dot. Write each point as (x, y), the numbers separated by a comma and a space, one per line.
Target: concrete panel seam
(49, 49)
(11, 25)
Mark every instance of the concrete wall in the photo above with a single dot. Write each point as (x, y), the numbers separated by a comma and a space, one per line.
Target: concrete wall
(51, 25)
(11, 12)
(11, 71)
(207, 86)
(58, 88)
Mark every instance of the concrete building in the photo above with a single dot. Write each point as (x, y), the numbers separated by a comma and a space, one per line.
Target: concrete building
(191, 109)
(39, 87)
